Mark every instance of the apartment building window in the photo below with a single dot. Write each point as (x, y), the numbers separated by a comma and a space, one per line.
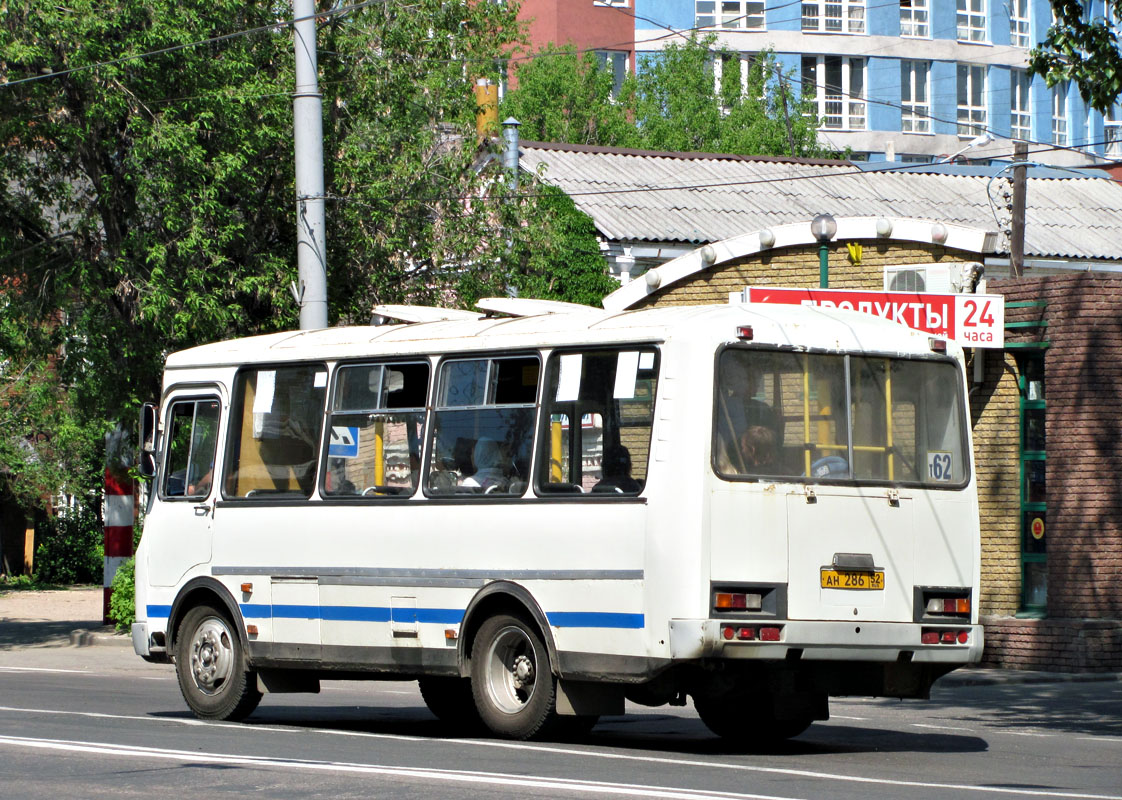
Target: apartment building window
(615, 62)
(914, 19)
(972, 20)
(1019, 23)
(971, 99)
(1020, 112)
(834, 16)
(1059, 113)
(730, 76)
(731, 14)
(1112, 133)
(837, 85)
(915, 103)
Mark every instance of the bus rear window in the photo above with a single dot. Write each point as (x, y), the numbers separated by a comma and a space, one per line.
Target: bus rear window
(823, 417)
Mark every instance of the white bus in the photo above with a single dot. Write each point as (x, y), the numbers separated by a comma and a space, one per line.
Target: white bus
(539, 514)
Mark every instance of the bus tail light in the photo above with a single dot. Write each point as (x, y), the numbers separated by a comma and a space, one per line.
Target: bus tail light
(750, 633)
(944, 636)
(738, 601)
(770, 634)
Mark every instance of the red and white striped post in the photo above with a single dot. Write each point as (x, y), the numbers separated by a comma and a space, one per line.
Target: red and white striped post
(118, 510)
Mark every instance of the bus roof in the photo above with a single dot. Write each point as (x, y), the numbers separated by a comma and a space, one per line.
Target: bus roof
(788, 325)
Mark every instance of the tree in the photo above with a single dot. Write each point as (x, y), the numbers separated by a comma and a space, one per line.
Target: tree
(146, 190)
(1083, 50)
(675, 102)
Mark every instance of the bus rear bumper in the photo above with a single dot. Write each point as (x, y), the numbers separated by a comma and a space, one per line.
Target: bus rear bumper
(798, 640)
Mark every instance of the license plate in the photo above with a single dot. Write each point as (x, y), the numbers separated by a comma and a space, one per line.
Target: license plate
(850, 579)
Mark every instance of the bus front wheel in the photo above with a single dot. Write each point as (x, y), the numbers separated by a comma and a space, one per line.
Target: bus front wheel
(514, 689)
(210, 665)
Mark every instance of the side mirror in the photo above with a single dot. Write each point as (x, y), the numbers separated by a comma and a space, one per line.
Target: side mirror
(146, 464)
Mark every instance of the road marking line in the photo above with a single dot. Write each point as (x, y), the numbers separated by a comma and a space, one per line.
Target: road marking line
(840, 716)
(452, 776)
(41, 669)
(661, 760)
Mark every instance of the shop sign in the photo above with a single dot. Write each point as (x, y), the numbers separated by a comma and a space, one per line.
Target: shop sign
(972, 320)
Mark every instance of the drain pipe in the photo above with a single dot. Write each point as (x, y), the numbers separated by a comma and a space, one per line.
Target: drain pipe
(510, 151)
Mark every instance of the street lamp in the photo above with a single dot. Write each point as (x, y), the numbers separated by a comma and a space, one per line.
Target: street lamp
(823, 227)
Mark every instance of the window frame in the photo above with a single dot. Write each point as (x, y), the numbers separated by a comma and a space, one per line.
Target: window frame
(847, 22)
(915, 116)
(916, 20)
(330, 413)
(747, 12)
(1061, 134)
(1020, 23)
(972, 120)
(435, 408)
(232, 429)
(1112, 133)
(970, 21)
(960, 405)
(544, 422)
(853, 106)
(1020, 89)
(204, 395)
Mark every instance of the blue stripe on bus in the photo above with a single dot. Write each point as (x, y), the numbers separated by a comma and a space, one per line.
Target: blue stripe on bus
(439, 616)
(594, 619)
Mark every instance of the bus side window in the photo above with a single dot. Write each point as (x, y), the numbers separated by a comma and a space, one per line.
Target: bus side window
(375, 430)
(597, 413)
(483, 426)
(275, 431)
(191, 443)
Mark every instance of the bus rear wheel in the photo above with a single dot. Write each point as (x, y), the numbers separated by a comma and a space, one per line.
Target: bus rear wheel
(210, 665)
(514, 688)
(745, 723)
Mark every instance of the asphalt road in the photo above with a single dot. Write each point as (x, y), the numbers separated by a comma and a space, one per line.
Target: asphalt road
(97, 722)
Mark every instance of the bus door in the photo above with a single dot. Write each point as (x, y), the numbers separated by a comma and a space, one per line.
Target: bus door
(182, 521)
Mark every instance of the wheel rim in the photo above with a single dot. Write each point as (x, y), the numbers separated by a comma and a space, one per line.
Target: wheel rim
(512, 668)
(212, 656)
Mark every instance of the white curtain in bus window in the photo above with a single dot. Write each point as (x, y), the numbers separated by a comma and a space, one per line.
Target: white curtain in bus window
(483, 426)
(275, 431)
(376, 430)
(192, 439)
(597, 416)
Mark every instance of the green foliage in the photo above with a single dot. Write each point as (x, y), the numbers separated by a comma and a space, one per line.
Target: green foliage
(1083, 50)
(70, 549)
(18, 582)
(566, 97)
(674, 103)
(122, 599)
(559, 259)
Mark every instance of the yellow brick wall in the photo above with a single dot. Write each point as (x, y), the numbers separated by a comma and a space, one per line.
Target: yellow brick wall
(798, 266)
(995, 408)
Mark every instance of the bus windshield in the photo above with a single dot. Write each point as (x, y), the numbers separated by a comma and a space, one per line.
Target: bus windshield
(824, 417)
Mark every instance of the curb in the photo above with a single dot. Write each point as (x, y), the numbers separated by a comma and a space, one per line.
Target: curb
(85, 638)
(1012, 677)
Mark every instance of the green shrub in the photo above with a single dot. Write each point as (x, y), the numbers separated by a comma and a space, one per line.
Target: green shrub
(122, 600)
(71, 549)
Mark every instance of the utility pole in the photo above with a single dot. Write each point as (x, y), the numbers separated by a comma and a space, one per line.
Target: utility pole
(1017, 228)
(307, 115)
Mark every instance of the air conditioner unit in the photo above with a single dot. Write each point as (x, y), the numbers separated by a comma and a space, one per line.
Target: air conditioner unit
(933, 278)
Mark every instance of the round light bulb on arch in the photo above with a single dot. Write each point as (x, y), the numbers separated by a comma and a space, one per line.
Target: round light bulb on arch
(824, 227)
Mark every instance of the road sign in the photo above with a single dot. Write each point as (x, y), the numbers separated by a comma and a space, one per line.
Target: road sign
(972, 320)
(344, 442)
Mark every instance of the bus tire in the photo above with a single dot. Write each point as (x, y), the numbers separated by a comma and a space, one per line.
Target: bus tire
(514, 689)
(737, 721)
(210, 665)
(451, 701)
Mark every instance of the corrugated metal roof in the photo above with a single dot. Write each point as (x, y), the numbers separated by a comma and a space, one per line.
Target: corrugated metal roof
(698, 198)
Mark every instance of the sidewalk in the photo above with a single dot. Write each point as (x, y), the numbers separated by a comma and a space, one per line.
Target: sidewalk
(55, 618)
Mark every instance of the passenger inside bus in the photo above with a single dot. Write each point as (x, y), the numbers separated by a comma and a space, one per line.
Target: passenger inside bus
(755, 453)
(489, 475)
(615, 470)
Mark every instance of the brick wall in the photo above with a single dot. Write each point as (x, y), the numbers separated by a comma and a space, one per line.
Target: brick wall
(1083, 423)
(1064, 645)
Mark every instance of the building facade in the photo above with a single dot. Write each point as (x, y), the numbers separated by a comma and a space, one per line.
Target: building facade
(913, 81)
